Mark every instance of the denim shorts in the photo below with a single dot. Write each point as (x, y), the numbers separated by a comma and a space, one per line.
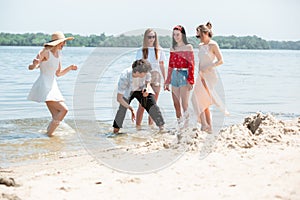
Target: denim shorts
(179, 78)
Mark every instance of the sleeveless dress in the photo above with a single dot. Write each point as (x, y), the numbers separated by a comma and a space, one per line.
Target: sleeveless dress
(204, 93)
(45, 87)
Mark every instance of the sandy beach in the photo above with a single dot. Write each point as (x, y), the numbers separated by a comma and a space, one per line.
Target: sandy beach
(259, 159)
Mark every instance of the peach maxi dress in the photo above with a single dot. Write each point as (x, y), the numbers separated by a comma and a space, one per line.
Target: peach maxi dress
(204, 93)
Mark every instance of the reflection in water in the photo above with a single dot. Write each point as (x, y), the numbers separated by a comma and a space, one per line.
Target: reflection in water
(253, 80)
(26, 139)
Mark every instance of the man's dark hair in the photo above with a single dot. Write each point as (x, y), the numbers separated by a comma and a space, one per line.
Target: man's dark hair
(142, 66)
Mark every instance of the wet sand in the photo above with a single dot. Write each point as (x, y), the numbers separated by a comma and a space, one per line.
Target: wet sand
(259, 159)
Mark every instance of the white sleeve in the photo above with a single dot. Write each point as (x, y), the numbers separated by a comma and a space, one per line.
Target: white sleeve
(139, 54)
(162, 56)
(123, 83)
(148, 77)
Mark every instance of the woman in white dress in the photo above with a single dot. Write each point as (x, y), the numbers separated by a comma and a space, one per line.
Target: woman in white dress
(204, 93)
(45, 88)
(152, 52)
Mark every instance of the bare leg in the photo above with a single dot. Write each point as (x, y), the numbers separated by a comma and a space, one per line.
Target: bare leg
(52, 127)
(139, 115)
(140, 111)
(185, 94)
(176, 101)
(204, 125)
(208, 118)
(58, 111)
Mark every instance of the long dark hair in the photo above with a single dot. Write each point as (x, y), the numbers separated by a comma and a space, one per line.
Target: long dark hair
(184, 39)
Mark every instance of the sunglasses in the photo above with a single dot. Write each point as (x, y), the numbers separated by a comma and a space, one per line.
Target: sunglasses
(151, 37)
(198, 36)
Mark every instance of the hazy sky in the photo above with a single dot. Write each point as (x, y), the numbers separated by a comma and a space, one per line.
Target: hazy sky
(269, 19)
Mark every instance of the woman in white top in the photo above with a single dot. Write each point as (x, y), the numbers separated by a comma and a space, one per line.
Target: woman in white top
(152, 52)
(45, 88)
(204, 93)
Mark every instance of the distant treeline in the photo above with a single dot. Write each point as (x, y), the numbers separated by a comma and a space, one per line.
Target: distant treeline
(225, 42)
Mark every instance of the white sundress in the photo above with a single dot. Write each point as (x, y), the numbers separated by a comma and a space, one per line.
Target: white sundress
(45, 87)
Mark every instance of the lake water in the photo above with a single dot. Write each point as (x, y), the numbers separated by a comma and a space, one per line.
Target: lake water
(253, 80)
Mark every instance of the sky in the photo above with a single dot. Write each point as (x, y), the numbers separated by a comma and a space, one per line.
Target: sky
(268, 19)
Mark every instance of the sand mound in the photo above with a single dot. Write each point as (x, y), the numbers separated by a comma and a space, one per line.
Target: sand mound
(260, 129)
(257, 130)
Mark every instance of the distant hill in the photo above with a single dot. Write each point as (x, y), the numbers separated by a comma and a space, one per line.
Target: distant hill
(225, 42)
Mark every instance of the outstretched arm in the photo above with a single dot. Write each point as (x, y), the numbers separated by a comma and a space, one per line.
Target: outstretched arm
(61, 72)
(170, 69)
(121, 100)
(43, 55)
(217, 52)
(162, 69)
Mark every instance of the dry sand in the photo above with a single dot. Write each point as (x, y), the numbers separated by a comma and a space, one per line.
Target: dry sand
(259, 159)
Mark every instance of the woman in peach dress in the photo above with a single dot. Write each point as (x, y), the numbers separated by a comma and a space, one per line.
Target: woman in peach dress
(204, 93)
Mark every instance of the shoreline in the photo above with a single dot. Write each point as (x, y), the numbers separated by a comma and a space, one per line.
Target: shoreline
(241, 165)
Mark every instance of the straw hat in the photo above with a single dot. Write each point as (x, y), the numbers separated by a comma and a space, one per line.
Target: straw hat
(57, 37)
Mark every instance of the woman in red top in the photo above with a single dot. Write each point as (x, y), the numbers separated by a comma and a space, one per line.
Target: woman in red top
(180, 72)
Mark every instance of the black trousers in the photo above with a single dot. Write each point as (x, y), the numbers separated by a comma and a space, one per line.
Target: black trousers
(148, 103)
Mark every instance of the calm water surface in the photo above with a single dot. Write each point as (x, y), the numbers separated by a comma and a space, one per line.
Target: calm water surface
(253, 80)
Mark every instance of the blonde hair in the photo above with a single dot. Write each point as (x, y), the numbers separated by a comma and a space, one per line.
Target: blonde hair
(205, 29)
(50, 47)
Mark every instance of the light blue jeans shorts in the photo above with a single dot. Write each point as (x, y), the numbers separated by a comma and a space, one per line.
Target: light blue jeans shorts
(179, 77)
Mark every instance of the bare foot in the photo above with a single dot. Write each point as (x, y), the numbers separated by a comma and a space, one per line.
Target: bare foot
(52, 126)
(116, 130)
(206, 128)
(209, 130)
(162, 130)
(138, 127)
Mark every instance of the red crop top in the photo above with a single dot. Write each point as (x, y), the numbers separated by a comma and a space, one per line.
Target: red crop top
(181, 59)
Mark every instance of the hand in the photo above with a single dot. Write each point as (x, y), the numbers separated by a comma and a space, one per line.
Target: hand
(189, 86)
(31, 67)
(208, 69)
(145, 92)
(167, 87)
(35, 62)
(73, 67)
(132, 113)
(204, 70)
